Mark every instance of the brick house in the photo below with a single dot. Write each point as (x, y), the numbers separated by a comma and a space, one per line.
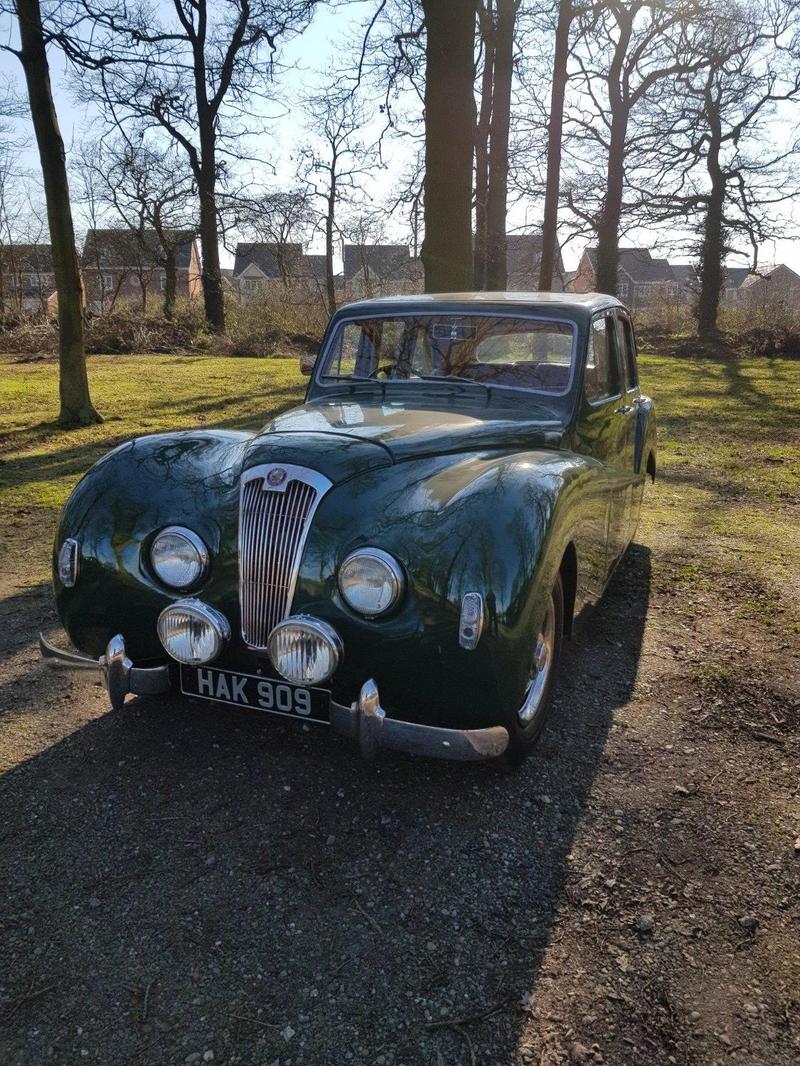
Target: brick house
(259, 266)
(775, 288)
(380, 270)
(120, 267)
(27, 279)
(642, 279)
(688, 282)
(523, 259)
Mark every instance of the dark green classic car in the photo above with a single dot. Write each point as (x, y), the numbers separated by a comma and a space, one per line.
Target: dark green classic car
(400, 557)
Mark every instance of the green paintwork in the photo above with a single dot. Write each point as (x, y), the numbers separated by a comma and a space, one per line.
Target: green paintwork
(471, 489)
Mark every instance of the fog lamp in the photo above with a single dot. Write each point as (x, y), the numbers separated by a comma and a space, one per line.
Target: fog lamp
(304, 650)
(192, 632)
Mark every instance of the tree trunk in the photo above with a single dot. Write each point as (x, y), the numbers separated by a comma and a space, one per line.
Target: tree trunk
(497, 200)
(330, 284)
(449, 133)
(712, 249)
(76, 404)
(482, 146)
(213, 298)
(555, 127)
(170, 281)
(608, 225)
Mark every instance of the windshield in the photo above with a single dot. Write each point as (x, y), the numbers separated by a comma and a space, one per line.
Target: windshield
(519, 353)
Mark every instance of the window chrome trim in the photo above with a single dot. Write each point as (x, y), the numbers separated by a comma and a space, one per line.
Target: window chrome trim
(333, 383)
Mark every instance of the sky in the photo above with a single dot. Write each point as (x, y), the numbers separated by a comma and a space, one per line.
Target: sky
(311, 56)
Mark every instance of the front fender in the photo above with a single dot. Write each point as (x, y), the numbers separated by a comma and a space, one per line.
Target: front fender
(478, 523)
(135, 490)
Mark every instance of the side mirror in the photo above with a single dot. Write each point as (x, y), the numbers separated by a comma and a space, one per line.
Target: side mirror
(307, 361)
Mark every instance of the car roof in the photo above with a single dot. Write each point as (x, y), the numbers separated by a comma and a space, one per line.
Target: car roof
(569, 304)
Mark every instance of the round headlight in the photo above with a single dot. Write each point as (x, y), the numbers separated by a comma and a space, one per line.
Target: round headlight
(371, 581)
(179, 557)
(192, 632)
(304, 650)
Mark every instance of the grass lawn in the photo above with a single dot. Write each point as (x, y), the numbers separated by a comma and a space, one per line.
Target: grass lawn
(136, 394)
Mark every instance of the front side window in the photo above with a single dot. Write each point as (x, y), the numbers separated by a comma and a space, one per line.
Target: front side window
(601, 377)
(523, 353)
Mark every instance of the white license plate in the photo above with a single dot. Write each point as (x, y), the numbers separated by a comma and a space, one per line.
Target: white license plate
(258, 693)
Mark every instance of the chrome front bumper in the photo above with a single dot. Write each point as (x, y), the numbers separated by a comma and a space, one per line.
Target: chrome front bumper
(364, 720)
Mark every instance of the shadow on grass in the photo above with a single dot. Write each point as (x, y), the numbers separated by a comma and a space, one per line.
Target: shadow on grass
(184, 875)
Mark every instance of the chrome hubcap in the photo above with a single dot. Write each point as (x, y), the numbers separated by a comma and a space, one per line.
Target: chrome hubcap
(541, 666)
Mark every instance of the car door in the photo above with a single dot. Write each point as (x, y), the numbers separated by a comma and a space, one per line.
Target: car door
(604, 429)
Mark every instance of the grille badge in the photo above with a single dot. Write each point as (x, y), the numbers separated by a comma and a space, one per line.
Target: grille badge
(277, 476)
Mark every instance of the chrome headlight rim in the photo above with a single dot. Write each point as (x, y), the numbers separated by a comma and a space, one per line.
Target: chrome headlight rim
(197, 544)
(318, 628)
(396, 574)
(205, 613)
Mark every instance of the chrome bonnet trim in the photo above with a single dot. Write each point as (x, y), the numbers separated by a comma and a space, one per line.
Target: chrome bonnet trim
(271, 542)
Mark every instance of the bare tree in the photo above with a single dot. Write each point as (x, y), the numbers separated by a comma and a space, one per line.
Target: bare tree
(76, 405)
(449, 139)
(192, 68)
(283, 220)
(728, 176)
(150, 189)
(629, 54)
(337, 165)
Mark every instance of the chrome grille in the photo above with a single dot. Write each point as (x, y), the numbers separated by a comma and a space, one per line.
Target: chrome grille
(276, 506)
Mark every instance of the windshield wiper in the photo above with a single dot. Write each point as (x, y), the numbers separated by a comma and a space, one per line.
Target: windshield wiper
(453, 377)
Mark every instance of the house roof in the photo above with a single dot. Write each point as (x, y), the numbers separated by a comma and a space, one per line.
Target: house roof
(26, 258)
(778, 273)
(639, 264)
(271, 258)
(120, 248)
(382, 260)
(313, 267)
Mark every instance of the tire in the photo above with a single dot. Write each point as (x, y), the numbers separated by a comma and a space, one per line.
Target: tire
(528, 722)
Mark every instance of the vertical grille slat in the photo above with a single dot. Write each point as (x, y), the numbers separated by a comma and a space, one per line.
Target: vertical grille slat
(273, 527)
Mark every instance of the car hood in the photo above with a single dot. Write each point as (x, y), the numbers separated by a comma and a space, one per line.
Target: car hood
(340, 438)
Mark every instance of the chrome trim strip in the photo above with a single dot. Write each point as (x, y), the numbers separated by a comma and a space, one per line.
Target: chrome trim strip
(271, 541)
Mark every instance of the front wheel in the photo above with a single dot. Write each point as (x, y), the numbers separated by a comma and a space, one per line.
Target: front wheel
(528, 721)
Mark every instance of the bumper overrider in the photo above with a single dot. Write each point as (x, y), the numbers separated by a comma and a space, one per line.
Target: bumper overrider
(364, 720)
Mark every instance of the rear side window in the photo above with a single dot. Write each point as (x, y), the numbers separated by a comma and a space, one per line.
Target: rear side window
(601, 379)
(628, 345)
